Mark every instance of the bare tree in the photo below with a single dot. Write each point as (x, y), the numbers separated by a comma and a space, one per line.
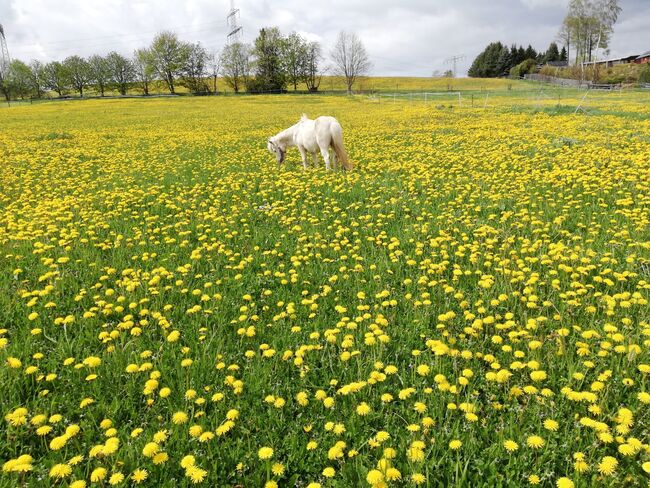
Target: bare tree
(236, 65)
(350, 58)
(144, 68)
(38, 77)
(312, 74)
(589, 25)
(214, 66)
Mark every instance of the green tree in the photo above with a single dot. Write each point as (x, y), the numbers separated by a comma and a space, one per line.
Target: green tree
(588, 26)
(486, 64)
(100, 73)
(169, 57)
(268, 51)
(236, 65)
(295, 54)
(56, 77)
(144, 68)
(504, 63)
(551, 54)
(195, 69)
(20, 79)
(78, 72)
(121, 71)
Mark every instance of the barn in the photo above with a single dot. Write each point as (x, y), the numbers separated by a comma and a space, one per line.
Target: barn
(643, 58)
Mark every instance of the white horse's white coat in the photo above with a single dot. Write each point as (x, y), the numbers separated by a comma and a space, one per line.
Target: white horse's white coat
(312, 136)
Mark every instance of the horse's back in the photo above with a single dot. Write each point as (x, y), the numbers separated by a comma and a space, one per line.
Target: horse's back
(326, 120)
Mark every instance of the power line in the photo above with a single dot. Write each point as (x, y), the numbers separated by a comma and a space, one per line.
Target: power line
(453, 60)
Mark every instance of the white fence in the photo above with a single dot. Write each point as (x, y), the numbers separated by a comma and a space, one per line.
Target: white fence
(420, 96)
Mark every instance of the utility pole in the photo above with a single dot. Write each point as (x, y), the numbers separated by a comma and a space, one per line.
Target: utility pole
(453, 60)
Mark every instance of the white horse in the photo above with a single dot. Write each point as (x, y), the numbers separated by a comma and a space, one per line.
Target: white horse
(311, 136)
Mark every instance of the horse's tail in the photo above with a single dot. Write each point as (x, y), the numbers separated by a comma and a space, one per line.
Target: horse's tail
(339, 149)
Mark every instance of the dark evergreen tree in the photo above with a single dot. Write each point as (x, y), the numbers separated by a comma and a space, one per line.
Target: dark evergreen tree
(521, 54)
(563, 54)
(530, 52)
(504, 63)
(486, 64)
(269, 65)
(552, 53)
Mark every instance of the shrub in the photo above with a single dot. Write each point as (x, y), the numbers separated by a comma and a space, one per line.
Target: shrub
(644, 73)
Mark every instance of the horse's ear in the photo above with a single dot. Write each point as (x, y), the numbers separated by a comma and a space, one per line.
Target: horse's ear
(304, 117)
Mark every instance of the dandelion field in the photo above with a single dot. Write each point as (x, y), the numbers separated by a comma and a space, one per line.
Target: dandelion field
(468, 307)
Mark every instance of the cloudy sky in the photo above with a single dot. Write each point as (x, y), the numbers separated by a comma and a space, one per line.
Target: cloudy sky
(405, 38)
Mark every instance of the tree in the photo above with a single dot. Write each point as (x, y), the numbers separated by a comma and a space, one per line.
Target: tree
(169, 56)
(295, 56)
(552, 54)
(589, 25)
(78, 72)
(235, 65)
(143, 68)
(195, 68)
(100, 73)
(350, 58)
(530, 52)
(56, 77)
(311, 74)
(504, 62)
(214, 67)
(269, 69)
(39, 78)
(523, 68)
(563, 54)
(121, 71)
(20, 79)
(5, 86)
(486, 64)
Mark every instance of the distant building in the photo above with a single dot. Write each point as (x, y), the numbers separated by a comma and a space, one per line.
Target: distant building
(643, 58)
(615, 61)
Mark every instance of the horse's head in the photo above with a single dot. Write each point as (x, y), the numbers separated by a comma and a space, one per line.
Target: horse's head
(275, 148)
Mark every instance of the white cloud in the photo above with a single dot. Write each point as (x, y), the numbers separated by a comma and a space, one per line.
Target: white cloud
(409, 37)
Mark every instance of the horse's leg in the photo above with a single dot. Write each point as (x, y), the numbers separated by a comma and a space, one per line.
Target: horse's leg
(314, 156)
(334, 159)
(324, 151)
(303, 155)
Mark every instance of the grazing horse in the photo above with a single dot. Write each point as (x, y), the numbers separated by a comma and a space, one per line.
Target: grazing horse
(311, 136)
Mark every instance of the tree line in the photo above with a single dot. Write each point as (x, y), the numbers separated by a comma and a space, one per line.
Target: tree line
(498, 60)
(586, 29)
(272, 63)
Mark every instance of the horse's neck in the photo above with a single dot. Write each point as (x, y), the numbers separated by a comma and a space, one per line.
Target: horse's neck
(286, 137)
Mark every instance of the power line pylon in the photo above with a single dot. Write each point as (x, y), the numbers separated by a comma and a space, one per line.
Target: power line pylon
(234, 29)
(453, 60)
(5, 60)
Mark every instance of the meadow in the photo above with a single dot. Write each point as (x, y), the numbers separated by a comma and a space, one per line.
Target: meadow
(467, 307)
